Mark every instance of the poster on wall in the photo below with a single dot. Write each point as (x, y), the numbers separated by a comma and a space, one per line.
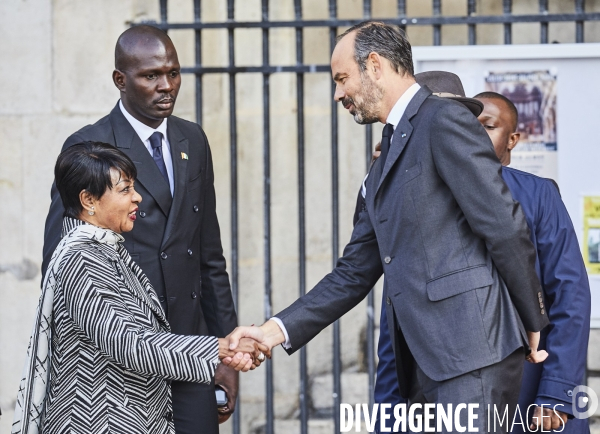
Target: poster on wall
(534, 95)
(591, 233)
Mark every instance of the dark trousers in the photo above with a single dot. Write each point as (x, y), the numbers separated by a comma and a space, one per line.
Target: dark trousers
(497, 384)
(194, 408)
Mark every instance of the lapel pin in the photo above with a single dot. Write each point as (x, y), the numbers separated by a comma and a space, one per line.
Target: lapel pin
(184, 156)
(403, 134)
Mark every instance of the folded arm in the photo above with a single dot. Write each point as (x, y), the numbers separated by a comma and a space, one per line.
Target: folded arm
(567, 298)
(466, 161)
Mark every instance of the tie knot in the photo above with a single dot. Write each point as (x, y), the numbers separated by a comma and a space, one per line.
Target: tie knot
(388, 130)
(156, 140)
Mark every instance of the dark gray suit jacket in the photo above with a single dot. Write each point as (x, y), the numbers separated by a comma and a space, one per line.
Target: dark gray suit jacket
(454, 246)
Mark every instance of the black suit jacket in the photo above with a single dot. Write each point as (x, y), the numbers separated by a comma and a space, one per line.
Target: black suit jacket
(441, 224)
(175, 240)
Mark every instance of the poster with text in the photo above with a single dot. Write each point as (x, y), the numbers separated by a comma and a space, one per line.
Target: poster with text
(591, 233)
(534, 95)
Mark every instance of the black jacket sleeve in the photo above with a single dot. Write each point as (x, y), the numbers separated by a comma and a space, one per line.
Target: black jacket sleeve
(53, 227)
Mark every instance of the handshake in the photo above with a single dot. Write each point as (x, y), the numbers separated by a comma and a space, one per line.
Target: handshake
(245, 348)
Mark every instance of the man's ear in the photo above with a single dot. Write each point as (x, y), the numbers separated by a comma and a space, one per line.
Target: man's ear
(119, 80)
(374, 64)
(87, 201)
(513, 140)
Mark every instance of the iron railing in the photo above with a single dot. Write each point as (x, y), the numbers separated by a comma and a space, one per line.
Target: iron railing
(402, 19)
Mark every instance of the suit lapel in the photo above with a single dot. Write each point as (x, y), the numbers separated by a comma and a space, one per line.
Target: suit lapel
(402, 133)
(127, 140)
(179, 146)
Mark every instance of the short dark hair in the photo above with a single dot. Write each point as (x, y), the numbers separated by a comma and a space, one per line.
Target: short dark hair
(134, 36)
(387, 41)
(86, 166)
(514, 113)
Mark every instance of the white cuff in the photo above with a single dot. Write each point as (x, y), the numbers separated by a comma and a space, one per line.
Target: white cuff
(363, 189)
(287, 345)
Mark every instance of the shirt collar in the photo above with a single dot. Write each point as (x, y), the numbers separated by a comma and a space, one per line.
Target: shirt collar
(143, 130)
(400, 106)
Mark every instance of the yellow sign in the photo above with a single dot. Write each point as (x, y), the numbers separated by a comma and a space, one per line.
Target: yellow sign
(591, 233)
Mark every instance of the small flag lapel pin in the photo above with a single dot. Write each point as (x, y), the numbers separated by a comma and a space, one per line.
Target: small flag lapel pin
(184, 156)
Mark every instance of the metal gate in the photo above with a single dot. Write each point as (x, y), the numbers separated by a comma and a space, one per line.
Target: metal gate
(436, 21)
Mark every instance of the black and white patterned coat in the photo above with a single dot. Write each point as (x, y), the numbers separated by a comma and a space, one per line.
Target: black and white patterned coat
(112, 354)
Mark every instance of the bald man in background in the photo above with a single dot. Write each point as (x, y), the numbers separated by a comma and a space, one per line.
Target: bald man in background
(176, 239)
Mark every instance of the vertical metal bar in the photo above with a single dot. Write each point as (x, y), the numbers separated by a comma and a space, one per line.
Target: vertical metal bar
(337, 358)
(371, 296)
(402, 12)
(367, 12)
(543, 26)
(507, 9)
(367, 9)
(301, 212)
(437, 28)
(579, 9)
(163, 11)
(267, 209)
(471, 10)
(198, 55)
(233, 180)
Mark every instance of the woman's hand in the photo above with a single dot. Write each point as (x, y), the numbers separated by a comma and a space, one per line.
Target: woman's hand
(248, 354)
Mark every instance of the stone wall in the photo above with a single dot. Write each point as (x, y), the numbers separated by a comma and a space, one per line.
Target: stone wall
(56, 69)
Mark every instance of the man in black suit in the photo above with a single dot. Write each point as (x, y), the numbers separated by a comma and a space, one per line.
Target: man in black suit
(176, 239)
(441, 224)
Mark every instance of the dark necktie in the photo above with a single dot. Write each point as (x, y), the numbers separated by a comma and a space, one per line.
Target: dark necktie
(386, 136)
(157, 154)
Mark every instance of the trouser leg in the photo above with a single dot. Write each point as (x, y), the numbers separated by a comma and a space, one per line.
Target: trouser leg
(496, 386)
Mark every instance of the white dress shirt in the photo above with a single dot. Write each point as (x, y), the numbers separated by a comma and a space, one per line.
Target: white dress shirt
(144, 132)
(393, 118)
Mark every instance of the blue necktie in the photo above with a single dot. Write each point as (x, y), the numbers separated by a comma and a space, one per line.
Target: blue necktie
(386, 135)
(157, 154)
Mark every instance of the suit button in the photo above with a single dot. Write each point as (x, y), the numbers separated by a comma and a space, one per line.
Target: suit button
(539, 294)
(163, 255)
(388, 301)
(190, 252)
(194, 294)
(569, 393)
(387, 260)
(169, 416)
(542, 311)
(142, 214)
(195, 208)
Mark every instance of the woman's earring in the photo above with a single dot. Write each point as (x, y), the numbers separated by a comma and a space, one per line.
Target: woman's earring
(91, 212)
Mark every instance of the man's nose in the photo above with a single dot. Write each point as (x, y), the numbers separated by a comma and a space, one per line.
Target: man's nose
(339, 94)
(165, 84)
